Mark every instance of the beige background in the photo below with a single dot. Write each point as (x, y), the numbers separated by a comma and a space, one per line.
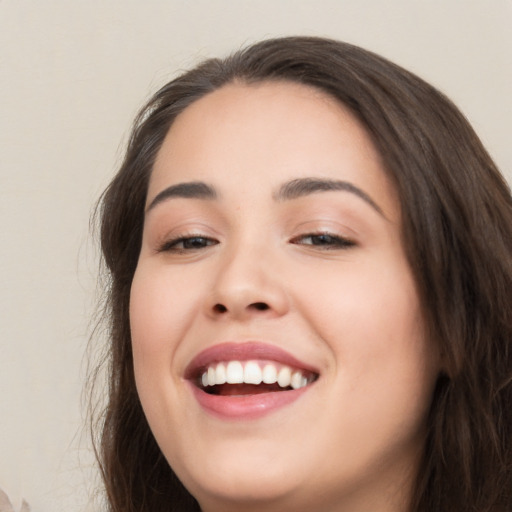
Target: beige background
(72, 75)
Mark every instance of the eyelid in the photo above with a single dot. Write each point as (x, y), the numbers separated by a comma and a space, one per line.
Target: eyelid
(338, 241)
(181, 231)
(169, 244)
(326, 224)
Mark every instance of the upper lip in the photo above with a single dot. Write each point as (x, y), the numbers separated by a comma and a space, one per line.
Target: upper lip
(246, 351)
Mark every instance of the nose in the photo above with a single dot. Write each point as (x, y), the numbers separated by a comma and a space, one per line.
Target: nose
(247, 284)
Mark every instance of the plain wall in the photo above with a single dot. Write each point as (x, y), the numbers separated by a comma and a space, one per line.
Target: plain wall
(72, 75)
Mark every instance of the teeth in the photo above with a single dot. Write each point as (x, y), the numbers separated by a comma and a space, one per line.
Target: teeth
(269, 374)
(211, 376)
(235, 373)
(284, 378)
(220, 374)
(296, 380)
(252, 372)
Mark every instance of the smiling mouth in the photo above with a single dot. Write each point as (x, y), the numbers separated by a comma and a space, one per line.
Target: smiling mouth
(241, 378)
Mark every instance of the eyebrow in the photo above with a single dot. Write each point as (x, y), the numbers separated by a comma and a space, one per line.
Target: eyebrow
(290, 190)
(190, 190)
(305, 186)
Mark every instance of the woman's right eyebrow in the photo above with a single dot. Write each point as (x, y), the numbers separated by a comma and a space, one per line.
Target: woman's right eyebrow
(189, 190)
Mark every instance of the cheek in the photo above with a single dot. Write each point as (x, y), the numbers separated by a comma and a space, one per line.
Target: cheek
(370, 317)
(385, 369)
(358, 297)
(162, 305)
(159, 319)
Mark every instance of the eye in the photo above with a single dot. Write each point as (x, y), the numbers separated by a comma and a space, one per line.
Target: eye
(187, 243)
(323, 241)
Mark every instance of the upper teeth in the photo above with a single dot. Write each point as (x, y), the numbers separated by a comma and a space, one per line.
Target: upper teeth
(252, 372)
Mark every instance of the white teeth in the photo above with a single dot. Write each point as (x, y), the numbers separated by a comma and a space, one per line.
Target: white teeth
(296, 380)
(269, 374)
(220, 374)
(235, 373)
(211, 376)
(252, 373)
(284, 377)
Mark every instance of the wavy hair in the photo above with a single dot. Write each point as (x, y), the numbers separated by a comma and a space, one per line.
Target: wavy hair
(457, 231)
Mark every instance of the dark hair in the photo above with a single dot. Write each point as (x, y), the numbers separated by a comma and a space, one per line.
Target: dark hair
(457, 231)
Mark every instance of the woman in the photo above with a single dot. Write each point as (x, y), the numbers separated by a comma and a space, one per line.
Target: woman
(310, 303)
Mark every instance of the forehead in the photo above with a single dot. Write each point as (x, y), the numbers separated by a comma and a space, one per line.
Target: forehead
(244, 136)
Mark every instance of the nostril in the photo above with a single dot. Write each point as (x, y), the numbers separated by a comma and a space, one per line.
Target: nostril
(219, 308)
(260, 306)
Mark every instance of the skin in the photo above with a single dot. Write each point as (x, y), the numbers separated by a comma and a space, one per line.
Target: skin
(352, 441)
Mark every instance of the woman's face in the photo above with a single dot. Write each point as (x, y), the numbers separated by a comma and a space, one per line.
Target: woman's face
(272, 250)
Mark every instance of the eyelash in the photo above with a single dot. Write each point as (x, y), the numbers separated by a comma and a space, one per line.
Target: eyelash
(321, 240)
(173, 245)
(327, 241)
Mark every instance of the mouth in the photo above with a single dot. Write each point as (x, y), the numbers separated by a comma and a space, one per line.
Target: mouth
(247, 380)
(239, 378)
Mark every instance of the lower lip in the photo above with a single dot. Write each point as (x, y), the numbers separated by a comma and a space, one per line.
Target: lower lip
(246, 407)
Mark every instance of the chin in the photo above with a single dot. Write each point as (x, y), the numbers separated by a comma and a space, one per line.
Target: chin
(242, 483)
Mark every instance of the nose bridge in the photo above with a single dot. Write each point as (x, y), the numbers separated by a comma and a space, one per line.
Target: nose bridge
(247, 281)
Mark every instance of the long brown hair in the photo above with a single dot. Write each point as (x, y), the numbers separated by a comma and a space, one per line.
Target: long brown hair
(457, 231)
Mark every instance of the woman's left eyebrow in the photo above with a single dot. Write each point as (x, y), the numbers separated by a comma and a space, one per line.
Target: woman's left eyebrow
(188, 190)
(305, 186)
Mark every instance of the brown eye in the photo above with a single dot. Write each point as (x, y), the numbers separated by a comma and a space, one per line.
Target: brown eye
(324, 241)
(196, 242)
(188, 243)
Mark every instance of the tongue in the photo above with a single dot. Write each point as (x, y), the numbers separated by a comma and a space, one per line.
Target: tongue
(247, 389)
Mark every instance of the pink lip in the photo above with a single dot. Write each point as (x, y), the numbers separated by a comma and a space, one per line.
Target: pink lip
(247, 406)
(250, 350)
